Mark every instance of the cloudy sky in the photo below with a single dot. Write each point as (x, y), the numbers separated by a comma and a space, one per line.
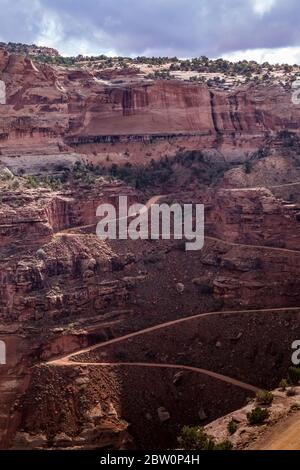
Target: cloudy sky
(234, 29)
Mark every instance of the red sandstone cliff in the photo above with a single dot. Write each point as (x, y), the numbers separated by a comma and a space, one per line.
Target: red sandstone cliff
(49, 106)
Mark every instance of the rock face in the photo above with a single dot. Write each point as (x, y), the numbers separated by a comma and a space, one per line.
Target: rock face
(96, 424)
(40, 222)
(48, 107)
(75, 392)
(47, 275)
(254, 217)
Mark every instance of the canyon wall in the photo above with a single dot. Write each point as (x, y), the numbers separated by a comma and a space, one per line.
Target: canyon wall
(50, 108)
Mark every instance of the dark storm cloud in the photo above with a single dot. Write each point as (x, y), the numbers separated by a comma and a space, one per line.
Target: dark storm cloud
(160, 27)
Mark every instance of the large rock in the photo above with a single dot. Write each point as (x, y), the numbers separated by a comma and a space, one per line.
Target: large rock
(163, 414)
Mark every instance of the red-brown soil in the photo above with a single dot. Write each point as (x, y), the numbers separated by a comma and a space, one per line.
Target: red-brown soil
(59, 402)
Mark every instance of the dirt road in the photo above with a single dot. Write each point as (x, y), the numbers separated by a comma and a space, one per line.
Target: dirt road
(68, 360)
(170, 324)
(214, 375)
(283, 436)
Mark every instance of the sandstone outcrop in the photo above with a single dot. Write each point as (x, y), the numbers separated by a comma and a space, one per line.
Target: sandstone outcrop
(48, 107)
(284, 411)
(254, 217)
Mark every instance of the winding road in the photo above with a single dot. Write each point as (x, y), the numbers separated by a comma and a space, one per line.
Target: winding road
(214, 375)
(255, 247)
(168, 325)
(68, 359)
(276, 186)
(291, 434)
(153, 200)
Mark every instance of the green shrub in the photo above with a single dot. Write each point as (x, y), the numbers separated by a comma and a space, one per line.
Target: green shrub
(224, 445)
(232, 427)
(52, 182)
(32, 182)
(264, 397)
(195, 438)
(283, 384)
(257, 416)
(41, 254)
(287, 138)
(294, 375)
(15, 185)
(248, 167)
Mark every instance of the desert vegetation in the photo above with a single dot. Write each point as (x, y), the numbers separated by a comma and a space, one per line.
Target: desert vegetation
(167, 170)
(197, 64)
(194, 438)
(258, 416)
